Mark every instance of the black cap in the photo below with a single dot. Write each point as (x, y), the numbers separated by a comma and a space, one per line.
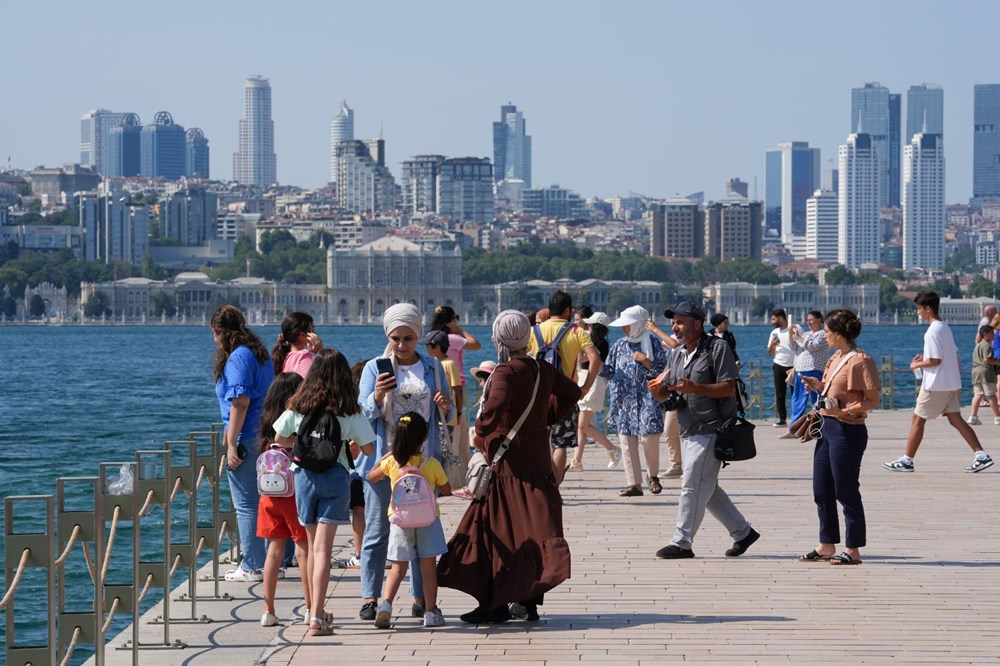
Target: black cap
(686, 309)
(717, 319)
(436, 338)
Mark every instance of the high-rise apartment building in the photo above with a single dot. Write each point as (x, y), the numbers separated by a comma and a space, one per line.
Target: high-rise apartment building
(197, 154)
(511, 147)
(677, 229)
(465, 189)
(733, 228)
(924, 111)
(341, 129)
(419, 183)
(986, 143)
(123, 152)
(923, 202)
(795, 168)
(363, 185)
(822, 225)
(254, 163)
(94, 128)
(114, 229)
(555, 202)
(858, 207)
(163, 149)
(875, 114)
(189, 216)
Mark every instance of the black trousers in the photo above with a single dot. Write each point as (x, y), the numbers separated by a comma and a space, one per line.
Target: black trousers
(836, 466)
(780, 390)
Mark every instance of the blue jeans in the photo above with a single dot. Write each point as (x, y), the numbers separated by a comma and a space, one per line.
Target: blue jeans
(243, 490)
(375, 545)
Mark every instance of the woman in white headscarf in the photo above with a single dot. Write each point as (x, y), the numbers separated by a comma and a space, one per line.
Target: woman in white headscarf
(632, 362)
(412, 386)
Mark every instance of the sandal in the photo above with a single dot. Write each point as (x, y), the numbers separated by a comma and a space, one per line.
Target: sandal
(323, 628)
(654, 485)
(631, 491)
(843, 558)
(813, 556)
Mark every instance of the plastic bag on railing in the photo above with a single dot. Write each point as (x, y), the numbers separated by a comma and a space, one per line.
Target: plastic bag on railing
(122, 485)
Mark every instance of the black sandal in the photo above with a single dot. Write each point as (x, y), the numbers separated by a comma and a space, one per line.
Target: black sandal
(813, 556)
(631, 491)
(843, 558)
(654, 485)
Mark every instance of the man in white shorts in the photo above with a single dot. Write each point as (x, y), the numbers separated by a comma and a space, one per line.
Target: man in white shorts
(939, 388)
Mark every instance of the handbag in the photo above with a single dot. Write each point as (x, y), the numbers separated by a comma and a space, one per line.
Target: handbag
(481, 469)
(790, 377)
(734, 440)
(453, 466)
(809, 426)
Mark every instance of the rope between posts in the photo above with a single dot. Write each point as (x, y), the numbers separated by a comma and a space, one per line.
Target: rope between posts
(197, 482)
(222, 466)
(145, 506)
(145, 589)
(21, 566)
(72, 646)
(177, 561)
(111, 543)
(222, 532)
(201, 544)
(177, 486)
(111, 615)
(69, 544)
(90, 563)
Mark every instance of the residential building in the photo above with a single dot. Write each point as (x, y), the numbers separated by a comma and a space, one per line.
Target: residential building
(363, 185)
(986, 143)
(733, 228)
(57, 185)
(822, 226)
(341, 130)
(511, 147)
(254, 162)
(189, 216)
(923, 202)
(738, 300)
(114, 229)
(419, 183)
(677, 229)
(123, 150)
(858, 207)
(94, 128)
(987, 254)
(875, 114)
(197, 154)
(163, 149)
(924, 111)
(553, 201)
(465, 189)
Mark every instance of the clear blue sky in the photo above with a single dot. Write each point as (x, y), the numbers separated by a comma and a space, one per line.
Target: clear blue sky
(651, 97)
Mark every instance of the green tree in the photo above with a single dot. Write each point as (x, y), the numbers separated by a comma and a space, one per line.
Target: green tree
(152, 270)
(163, 305)
(960, 259)
(839, 275)
(36, 306)
(8, 306)
(982, 287)
(97, 305)
(619, 300)
(761, 306)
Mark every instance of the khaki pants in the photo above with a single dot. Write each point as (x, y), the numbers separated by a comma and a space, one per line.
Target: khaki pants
(673, 430)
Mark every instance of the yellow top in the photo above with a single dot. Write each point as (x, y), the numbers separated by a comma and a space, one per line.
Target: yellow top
(575, 340)
(432, 471)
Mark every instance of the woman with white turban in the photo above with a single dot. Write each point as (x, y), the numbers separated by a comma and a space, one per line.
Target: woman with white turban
(412, 386)
(508, 549)
(632, 362)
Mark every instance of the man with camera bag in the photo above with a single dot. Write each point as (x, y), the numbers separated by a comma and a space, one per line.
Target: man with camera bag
(700, 383)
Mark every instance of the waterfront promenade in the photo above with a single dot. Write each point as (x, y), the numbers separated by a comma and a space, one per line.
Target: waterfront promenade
(928, 591)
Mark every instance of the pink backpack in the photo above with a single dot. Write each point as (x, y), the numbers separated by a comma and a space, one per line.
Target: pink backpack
(274, 473)
(413, 503)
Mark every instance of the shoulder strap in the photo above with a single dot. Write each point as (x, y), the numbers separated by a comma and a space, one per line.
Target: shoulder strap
(840, 366)
(559, 336)
(539, 340)
(517, 426)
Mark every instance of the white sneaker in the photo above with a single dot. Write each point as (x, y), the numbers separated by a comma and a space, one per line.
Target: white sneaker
(384, 615)
(614, 455)
(434, 618)
(973, 420)
(268, 620)
(281, 573)
(996, 420)
(244, 576)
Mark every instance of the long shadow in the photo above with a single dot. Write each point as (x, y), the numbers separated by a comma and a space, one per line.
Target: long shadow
(947, 563)
(557, 623)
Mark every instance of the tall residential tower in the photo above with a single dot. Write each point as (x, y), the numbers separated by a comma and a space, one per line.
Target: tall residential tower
(923, 202)
(511, 147)
(858, 228)
(877, 113)
(341, 129)
(254, 163)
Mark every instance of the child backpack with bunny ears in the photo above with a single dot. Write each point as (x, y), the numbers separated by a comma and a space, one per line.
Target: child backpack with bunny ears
(412, 500)
(274, 473)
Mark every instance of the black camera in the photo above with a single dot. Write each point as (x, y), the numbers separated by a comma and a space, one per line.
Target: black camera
(673, 402)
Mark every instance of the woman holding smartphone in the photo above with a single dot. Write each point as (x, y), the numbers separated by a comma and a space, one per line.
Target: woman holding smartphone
(402, 380)
(243, 373)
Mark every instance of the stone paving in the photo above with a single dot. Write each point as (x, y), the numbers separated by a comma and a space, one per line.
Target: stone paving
(928, 591)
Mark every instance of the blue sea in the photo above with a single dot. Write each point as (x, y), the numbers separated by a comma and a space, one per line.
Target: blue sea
(72, 397)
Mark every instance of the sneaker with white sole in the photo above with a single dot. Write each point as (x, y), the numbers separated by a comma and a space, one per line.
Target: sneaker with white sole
(434, 618)
(674, 473)
(996, 420)
(973, 420)
(353, 562)
(898, 465)
(614, 455)
(384, 615)
(268, 619)
(244, 576)
(979, 464)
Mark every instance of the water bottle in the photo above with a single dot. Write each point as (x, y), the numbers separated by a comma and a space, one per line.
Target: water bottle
(918, 373)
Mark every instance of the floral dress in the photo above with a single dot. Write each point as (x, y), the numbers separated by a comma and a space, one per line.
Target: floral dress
(634, 411)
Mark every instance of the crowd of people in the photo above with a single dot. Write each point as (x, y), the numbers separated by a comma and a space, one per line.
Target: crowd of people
(379, 425)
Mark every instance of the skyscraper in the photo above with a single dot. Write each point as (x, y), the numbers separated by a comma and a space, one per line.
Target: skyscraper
(986, 143)
(123, 152)
(895, 143)
(772, 193)
(858, 227)
(363, 185)
(94, 128)
(874, 114)
(341, 129)
(419, 183)
(793, 174)
(511, 147)
(197, 154)
(822, 225)
(254, 163)
(924, 103)
(923, 202)
(163, 149)
(465, 189)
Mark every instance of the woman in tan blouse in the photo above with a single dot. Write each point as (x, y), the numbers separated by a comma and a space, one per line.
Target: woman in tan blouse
(854, 389)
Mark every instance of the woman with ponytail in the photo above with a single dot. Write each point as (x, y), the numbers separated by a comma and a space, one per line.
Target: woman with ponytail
(297, 344)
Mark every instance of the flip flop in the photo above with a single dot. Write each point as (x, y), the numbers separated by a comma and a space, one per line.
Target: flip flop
(844, 558)
(813, 556)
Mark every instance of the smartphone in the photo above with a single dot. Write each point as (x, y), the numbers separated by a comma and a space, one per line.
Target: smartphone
(241, 451)
(384, 366)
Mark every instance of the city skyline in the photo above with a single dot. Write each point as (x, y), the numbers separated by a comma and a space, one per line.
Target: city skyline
(636, 115)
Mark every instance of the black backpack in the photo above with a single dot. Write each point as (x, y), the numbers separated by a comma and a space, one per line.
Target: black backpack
(550, 352)
(318, 442)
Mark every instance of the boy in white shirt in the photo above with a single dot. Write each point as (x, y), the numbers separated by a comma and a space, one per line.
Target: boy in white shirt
(939, 388)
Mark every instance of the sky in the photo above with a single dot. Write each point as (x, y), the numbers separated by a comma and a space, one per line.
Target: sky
(655, 98)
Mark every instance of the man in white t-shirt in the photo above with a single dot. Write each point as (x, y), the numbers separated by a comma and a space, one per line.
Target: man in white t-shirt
(939, 388)
(778, 346)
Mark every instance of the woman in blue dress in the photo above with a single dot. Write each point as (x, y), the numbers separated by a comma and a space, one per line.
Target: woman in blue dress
(632, 362)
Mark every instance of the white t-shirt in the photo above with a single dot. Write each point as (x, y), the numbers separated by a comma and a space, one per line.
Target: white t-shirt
(783, 352)
(412, 394)
(940, 343)
(354, 427)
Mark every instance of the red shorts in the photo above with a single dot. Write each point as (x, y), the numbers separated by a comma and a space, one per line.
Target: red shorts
(278, 519)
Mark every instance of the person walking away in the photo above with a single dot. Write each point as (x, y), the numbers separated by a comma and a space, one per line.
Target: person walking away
(408, 543)
(571, 343)
(939, 389)
(784, 360)
(852, 387)
(703, 372)
(596, 324)
(811, 354)
(984, 376)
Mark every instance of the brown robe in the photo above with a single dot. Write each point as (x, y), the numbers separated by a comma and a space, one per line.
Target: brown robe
(509, 546)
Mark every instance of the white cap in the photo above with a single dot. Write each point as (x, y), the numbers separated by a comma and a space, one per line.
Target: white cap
(632, 315)
(598, 318)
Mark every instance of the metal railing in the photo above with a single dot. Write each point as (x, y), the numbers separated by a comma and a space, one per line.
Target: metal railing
(160, 479)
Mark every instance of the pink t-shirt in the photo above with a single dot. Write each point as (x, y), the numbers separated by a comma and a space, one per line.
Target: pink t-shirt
(299, 362)
(456, 343)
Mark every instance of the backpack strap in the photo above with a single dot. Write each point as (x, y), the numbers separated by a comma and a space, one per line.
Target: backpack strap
(539, 340)
(562, 333)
